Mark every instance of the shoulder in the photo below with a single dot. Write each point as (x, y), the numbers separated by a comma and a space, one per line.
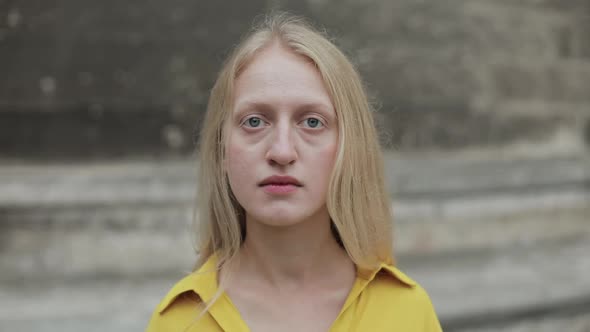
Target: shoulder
(175, 310)
(185, 301)
(393, 291)
(391, 284)
(185, 288)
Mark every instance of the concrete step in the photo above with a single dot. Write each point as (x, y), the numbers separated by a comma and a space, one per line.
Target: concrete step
(576, 323)
(410, 177)
(508, 285)
(541, 287)
(117, 219)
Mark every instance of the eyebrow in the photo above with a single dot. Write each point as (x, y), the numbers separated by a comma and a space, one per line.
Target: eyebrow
(265, 107)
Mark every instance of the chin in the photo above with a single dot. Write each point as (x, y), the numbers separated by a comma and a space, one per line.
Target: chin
(279, 218)
(278, 221)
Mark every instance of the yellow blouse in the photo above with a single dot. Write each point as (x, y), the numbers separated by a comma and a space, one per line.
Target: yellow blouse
(381, 300)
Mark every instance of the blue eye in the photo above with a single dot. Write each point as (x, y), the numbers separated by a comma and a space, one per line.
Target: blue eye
(254, 122)
(313, 122)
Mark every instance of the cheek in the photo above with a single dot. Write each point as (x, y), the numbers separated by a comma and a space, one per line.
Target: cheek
(329, 155)
(237, 164)
(324, 164)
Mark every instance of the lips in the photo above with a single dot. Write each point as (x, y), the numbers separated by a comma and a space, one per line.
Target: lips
(279, 180)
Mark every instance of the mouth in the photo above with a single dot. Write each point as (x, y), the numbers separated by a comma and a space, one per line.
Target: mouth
(280, 188)
(280, 181)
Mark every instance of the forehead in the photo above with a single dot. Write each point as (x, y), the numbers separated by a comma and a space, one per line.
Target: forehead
(278, 76)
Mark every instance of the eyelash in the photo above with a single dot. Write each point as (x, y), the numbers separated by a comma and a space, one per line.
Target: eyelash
(321, 123)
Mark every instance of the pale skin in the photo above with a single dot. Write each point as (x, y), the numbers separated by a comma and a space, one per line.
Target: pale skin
(293, 275)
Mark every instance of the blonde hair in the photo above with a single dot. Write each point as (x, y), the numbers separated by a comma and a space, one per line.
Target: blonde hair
(357, 201)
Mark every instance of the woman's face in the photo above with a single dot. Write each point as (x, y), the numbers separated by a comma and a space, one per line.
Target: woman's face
(283, 124)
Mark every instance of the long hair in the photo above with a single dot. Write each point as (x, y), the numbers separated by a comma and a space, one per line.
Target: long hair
(357, 201)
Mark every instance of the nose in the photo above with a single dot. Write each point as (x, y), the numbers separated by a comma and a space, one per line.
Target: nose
(282, 149)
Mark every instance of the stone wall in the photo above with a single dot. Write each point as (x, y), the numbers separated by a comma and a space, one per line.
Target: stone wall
(93, 80)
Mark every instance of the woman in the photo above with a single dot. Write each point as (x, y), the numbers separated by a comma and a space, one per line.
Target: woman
(295, 222)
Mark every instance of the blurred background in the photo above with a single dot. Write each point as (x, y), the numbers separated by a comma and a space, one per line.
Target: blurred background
(483, 108)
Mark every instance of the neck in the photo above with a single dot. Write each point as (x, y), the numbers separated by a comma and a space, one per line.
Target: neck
(293, 255)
